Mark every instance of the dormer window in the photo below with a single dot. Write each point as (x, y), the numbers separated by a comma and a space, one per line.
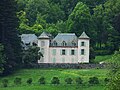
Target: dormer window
(64, 43)
(54, 43)
(82, 43)
(73, 43)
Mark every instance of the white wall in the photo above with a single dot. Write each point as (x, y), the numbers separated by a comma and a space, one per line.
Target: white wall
(59, 57)
(83, 58)
(46, 50)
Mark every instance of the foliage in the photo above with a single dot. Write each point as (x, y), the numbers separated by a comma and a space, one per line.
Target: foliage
(68, 80)
(98, 18)
(5, 82)
(31, 55)
(93, 80)
(106, 80)
(42, 80)
(2, 58)
(17, 81)
(29, 81)
(55, 81)
(9, 35)
(79, 80)
(114, 72)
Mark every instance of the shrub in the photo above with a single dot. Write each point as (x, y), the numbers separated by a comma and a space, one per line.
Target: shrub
(29, 81)
(79, 80)
(106, 80)
(17, 81)
(5, 82)
(41, 80)
(55, 80)
(93, 80)
(68, 80)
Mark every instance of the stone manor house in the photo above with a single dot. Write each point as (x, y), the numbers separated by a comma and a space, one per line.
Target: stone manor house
(64, 48)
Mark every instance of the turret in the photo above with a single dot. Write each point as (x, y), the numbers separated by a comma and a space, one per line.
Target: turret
(83, 48)
(43, 43)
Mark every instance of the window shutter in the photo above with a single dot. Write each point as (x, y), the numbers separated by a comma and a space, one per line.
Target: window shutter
(60, 51)
(65, 52)
(70, 51)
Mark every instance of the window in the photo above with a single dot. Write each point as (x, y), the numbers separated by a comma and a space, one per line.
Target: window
(72, 52)
(63, 52)
(42, 50)
(54, 60)
(82, 51)
(54, 43)
(54, 52)
(64, 43)
(34, 44)
(42, 43)
(73, 43)
(27, 44)
(72, 60)
(63, 60)
(82, 43)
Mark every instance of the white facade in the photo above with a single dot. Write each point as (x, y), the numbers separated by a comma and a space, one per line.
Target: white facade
(64, 48)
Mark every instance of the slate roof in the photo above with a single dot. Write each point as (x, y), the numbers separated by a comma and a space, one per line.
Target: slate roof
(83, 36)
(44, 35)
(29, 38)
(65, 37)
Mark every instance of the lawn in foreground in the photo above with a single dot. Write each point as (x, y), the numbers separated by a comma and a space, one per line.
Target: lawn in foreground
(35, 74)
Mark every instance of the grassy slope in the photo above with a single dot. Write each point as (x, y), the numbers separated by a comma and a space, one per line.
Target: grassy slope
(102, 58)
(61, 73)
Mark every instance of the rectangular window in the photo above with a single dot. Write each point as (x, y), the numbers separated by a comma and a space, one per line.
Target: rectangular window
(54, 60)
(54, 52)
(82, 43)
(42, 43)
(42, 50)
(63, 52)
(72, 52)
(82, 51)
(63, 60)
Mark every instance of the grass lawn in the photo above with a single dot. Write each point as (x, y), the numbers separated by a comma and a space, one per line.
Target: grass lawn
(102, 58)
(35, 74)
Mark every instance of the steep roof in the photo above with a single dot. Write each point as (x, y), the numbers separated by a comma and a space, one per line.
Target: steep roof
(83, 36)
(44, 35)
(27, 38)
(65, 37)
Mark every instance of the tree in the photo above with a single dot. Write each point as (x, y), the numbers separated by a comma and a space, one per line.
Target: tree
(5, 82)
(80, 19)
(68, 80)
(93, 80)
(55, 81)
(79, 80)
(42, 80)
(114, 72)
(31, 56)
(29, 81)
(17, 81)
(2, 58)
(9, 35)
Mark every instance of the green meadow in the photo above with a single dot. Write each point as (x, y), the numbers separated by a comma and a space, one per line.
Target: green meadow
(35, 74)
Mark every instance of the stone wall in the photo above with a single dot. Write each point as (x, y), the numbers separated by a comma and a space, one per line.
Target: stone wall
(68, 66)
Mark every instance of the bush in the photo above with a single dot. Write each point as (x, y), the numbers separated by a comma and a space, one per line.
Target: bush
(55, 80)
(41, 80)
(17, 81)
(106, 80)
(5, 82)
(93, 80)
(29, 81)
(79, 80)
(68, 80)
